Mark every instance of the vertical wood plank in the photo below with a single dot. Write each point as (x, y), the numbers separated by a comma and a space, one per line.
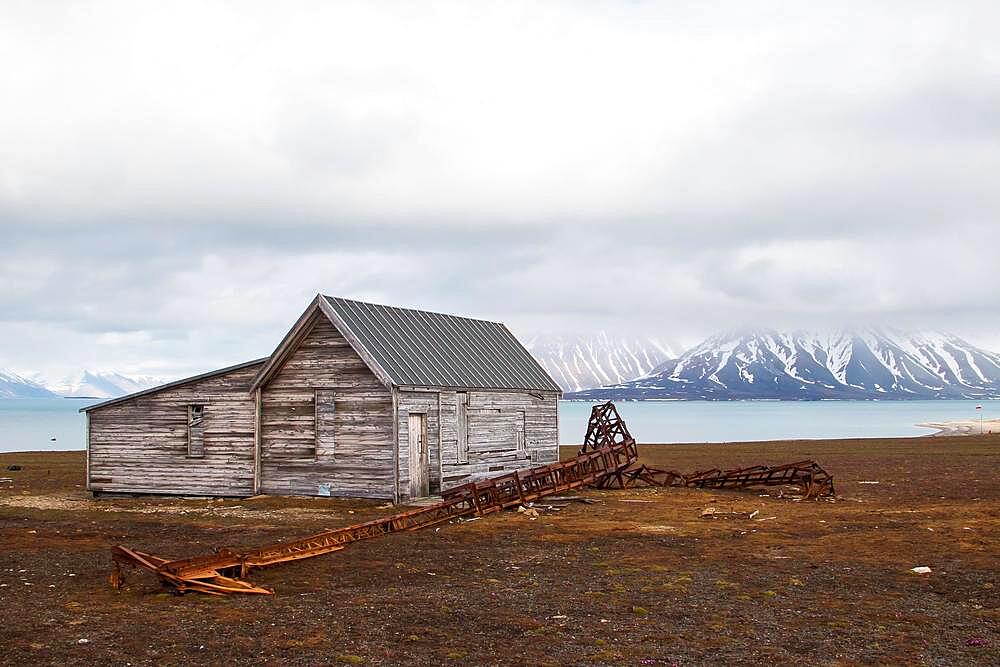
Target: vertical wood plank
(256, 441)
(87, 464)
(462, 426)
(326, 410)
(395, 445)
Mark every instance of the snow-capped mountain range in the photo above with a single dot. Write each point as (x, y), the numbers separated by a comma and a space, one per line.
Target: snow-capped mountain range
(803, 365)
(107, 384)
(585, 362)
(13, 385)
(758, 364)
(85, 384)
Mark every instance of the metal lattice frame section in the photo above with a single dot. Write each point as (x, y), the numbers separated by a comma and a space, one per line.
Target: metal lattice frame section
(606, 427)
(811, 479)
(609, 448)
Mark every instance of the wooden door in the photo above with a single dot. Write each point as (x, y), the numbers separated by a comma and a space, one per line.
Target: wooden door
(420, 472)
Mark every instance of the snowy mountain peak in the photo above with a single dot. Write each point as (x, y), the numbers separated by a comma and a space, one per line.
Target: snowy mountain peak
(13, 385)
(807, 365)
(103, 384)
(587, 361)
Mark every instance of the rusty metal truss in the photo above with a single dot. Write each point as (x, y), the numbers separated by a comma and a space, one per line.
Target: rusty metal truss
(809, 477)
(607, 460)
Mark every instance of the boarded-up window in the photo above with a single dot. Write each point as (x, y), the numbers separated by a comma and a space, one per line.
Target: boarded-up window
(519, 432)
(462, 425)
(325, 414)
(196, 431)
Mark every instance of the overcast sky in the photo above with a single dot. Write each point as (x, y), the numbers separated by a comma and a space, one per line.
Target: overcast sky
(177, 180)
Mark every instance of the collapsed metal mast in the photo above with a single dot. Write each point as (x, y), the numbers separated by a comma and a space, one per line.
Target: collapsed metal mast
(607, 459)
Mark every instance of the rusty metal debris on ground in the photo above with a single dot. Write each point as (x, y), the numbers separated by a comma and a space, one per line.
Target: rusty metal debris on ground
(810, 478)
(607, 459)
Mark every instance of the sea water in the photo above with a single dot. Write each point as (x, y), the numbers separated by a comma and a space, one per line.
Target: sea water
(741, 421)
(42, 424)
(38, 424)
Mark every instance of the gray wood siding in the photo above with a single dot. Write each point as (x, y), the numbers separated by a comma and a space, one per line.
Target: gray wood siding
(361, 462)
(493, 423)
(141, 445)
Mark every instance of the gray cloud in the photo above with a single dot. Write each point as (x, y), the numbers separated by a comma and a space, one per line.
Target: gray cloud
(176, 183)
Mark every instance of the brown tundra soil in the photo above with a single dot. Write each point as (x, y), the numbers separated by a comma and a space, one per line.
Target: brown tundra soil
(637, 578)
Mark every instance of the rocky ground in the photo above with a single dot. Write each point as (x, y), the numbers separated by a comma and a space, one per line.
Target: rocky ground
(637, 578)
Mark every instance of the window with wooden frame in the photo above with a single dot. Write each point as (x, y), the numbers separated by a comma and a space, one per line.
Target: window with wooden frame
(196, 431)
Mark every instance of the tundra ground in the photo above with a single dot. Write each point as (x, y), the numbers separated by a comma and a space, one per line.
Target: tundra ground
(639, 577)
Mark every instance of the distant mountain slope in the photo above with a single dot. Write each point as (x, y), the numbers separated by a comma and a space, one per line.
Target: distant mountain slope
(802, 365)
(13, 385)
(110, 384)
(583, 362)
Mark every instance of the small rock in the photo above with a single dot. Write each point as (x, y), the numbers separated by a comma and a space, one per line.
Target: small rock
(920, 569)
(82, 641)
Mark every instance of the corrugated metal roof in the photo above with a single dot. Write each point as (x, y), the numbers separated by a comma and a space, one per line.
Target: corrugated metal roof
(422, 349)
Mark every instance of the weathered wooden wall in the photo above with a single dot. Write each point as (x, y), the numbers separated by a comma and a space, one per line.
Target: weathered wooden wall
(359, 462)
(141, 445)
(493, 418)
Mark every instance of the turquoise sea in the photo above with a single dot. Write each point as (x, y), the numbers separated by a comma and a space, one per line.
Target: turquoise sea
(56, 424)
(740, 421)
(40, 424)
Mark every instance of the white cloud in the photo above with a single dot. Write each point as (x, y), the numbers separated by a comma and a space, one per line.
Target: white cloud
(185, 176)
